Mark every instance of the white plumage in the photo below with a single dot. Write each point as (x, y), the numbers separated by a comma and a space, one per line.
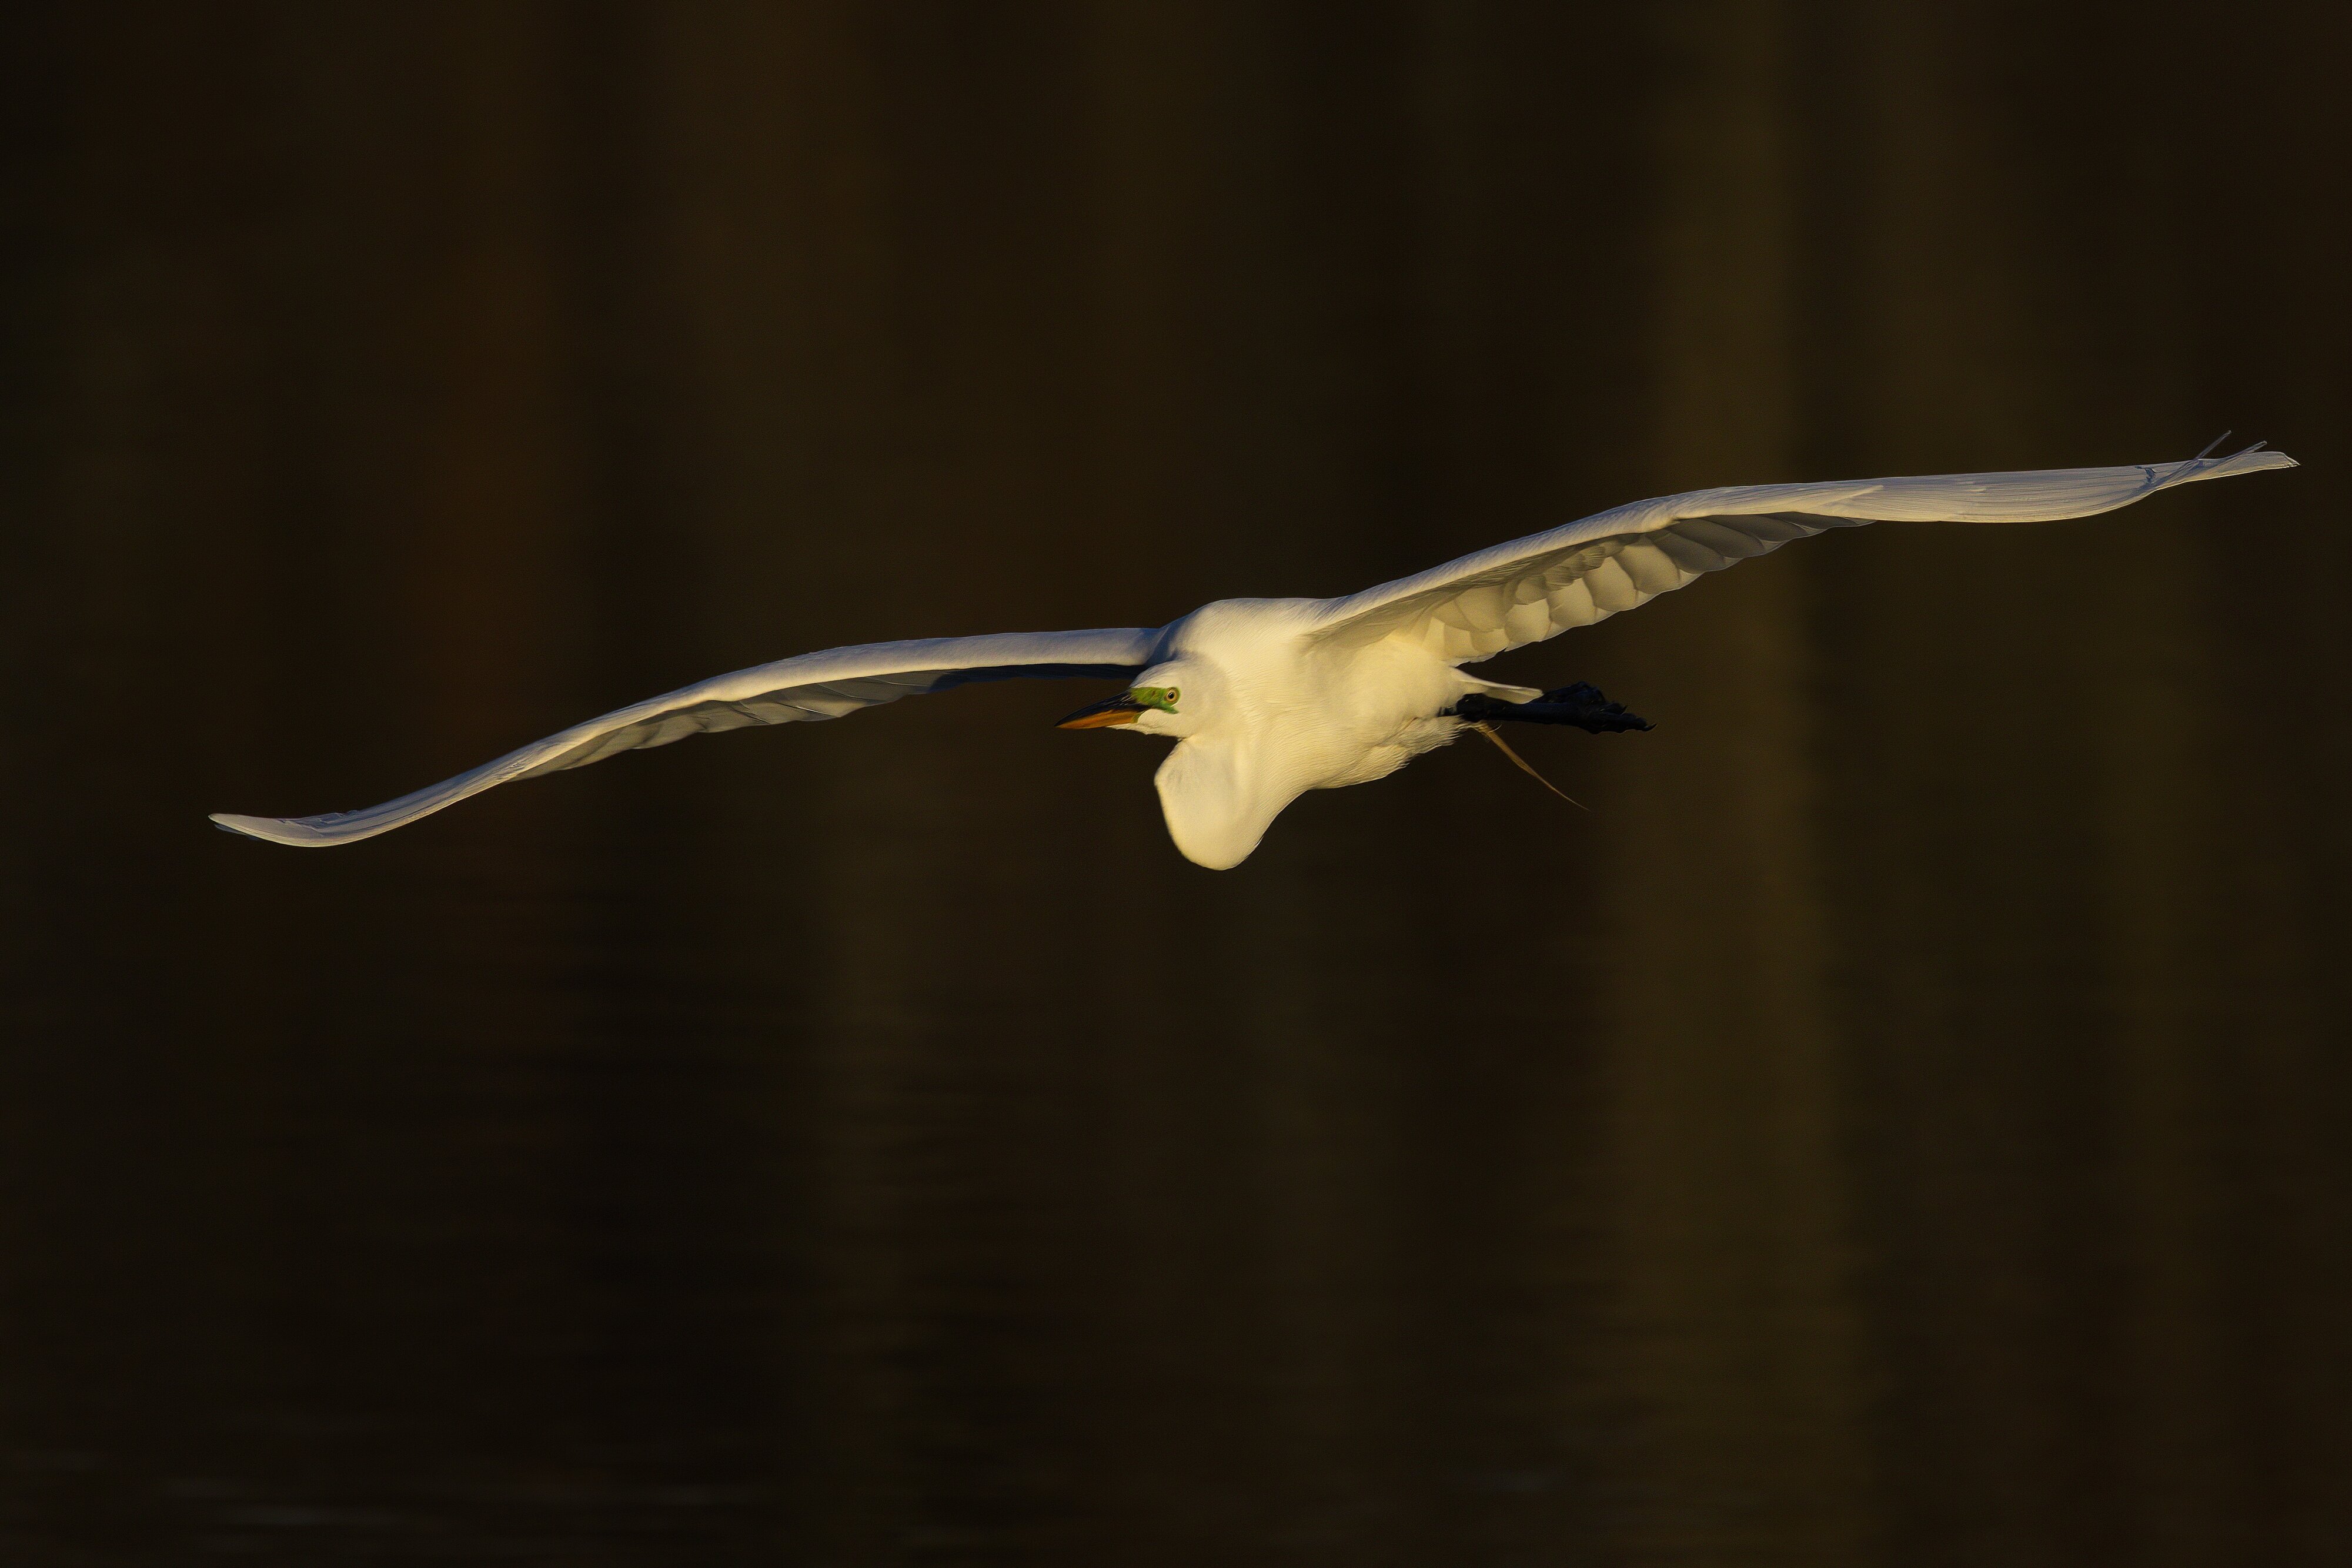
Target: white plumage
(1268, 698)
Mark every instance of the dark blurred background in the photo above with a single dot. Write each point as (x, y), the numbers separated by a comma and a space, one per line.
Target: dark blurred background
(1902, 1123)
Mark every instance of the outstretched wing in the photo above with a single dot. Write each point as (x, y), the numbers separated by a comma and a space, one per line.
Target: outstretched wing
(1540, 586)
(791, 691)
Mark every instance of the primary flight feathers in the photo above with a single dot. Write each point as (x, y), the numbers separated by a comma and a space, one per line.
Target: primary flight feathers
(1270, 675)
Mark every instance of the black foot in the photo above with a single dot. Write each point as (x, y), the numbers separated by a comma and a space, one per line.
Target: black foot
(1580, 704)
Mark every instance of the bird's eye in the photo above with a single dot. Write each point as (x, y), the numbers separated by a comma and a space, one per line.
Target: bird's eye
(1173, 694)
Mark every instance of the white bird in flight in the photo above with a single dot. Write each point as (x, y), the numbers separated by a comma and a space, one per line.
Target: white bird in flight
(1268, 698)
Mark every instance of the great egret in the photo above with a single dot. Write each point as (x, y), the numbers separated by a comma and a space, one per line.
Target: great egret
(1268, 698)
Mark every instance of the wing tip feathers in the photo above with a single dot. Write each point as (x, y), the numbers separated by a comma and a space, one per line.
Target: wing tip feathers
(273, 830)
(2254, 459)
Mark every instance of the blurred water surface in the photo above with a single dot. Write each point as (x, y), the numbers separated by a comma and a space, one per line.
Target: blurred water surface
(1902, 1123)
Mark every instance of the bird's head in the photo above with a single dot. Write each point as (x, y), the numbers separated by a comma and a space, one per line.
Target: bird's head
(1168, 699)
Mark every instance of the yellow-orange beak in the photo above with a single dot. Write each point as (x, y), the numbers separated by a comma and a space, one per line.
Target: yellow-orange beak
(1121, 709)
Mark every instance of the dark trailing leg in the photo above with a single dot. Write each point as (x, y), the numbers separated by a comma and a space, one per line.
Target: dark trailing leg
(1580, 704)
